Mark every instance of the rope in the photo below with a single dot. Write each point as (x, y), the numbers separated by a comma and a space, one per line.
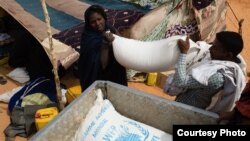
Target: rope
(239, 21)
(232, 11)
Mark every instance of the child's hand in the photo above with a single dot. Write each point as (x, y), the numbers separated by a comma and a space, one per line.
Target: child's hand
(184, 45)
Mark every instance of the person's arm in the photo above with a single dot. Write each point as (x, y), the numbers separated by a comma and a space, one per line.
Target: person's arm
(106, 45)
(183, 80)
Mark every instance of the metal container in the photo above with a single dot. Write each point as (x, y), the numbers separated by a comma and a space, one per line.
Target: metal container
(143, 107)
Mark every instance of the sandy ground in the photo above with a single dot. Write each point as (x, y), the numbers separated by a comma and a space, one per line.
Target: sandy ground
(241, 9)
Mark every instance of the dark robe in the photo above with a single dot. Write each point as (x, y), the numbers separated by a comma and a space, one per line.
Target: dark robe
(90, 64)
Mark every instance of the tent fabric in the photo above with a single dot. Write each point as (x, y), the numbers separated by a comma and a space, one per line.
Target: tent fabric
(198, 4)
(150, 4)
(118, 5)
(75, 8)
(148, 22)
(38, 28)
(205, 19)
(35, 26)
(153, 27)
(178, 13)
(58, 19)
(200, 20)
(166, 21)
(211, 19)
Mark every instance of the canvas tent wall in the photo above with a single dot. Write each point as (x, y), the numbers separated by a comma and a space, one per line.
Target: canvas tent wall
(76, 9)
(38, 28)
(177, 17)
(20, 10)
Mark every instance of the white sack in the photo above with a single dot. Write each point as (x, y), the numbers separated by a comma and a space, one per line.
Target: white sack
(104, 123)
(150, 56)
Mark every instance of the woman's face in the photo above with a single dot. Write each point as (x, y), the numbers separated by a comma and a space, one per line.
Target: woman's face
(97, 22)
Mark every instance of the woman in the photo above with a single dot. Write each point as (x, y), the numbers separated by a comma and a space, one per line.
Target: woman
(97, 60)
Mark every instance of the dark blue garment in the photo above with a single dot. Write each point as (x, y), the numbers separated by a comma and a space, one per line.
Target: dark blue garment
(39, 85)
(90, 67)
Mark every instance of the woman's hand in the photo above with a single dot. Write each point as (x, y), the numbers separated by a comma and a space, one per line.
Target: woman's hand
(108, 36)
(184, 45)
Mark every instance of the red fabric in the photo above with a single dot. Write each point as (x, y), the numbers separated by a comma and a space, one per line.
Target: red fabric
(244, 107)
(247, 88)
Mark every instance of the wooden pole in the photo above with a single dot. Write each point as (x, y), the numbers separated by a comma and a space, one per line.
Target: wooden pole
(51, 52)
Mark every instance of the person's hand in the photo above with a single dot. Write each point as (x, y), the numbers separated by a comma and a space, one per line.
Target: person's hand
(108, 37)
(184, 45)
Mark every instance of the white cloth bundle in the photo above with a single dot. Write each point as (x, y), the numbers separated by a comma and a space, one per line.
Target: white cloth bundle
(20, 75)
(150, 56)
(234, 83)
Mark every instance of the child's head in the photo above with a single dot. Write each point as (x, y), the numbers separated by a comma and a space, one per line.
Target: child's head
(226, 46)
